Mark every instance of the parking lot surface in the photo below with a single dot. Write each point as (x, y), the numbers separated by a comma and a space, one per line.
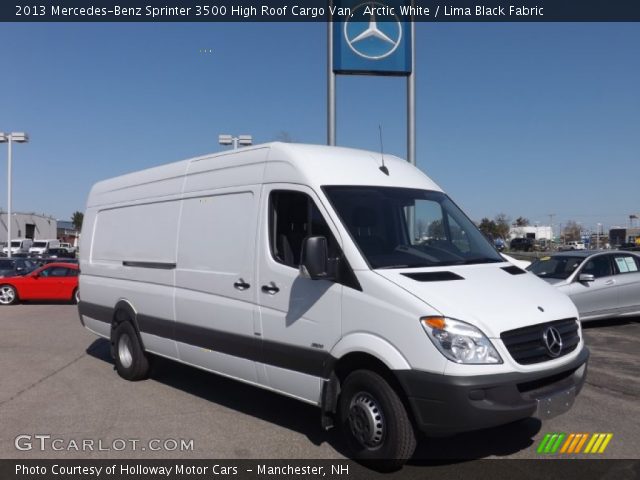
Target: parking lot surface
(58, 380)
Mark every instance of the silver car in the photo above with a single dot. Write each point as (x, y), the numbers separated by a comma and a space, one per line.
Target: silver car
(601, 284)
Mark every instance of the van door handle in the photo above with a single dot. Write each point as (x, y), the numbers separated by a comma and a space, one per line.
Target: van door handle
(271, 289)
(610, 282)
(241, 285)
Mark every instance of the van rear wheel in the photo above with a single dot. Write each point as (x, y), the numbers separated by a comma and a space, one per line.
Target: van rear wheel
(132, 363)
(375, 422)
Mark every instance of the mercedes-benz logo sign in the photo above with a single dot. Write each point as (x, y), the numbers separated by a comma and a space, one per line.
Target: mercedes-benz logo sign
(372, 40)
(553, 341)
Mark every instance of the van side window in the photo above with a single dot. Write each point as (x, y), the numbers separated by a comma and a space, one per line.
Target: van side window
(294, 216)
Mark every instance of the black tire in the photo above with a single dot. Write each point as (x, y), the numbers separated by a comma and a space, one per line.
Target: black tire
(375, 422)
(8, 294)
(132, 363)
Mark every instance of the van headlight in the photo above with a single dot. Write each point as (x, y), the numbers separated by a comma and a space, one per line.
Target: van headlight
(459, 341)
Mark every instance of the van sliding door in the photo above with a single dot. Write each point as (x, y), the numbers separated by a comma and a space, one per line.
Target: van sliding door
(216, 284)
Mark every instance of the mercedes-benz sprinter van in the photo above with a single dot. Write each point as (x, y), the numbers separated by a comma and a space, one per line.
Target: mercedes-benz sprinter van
(313, 272)
(18, 246)
(41, 247)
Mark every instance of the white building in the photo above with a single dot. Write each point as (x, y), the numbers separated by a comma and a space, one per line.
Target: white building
(538, 232)
(28, 225)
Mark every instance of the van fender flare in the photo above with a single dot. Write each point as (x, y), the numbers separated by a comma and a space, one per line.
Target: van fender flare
(373, 345)
(379, 349)
(132, 314)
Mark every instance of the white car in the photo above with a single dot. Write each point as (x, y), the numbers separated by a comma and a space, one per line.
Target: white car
(574, 246)
(601, 284)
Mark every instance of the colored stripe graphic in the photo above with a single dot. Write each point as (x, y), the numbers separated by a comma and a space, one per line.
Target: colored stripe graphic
(592, 440)
(574, 442)
(583, 439)
(607, 439)
(556, 445)
(550, 443)
(598, 443)
(567, 442)
(543, 443)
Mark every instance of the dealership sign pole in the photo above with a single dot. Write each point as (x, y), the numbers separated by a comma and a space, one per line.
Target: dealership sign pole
(369, 37)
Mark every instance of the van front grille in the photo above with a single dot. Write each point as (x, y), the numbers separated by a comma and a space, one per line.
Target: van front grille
(527, 345)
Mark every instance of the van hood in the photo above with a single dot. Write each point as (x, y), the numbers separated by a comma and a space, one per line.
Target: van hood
(493, 297)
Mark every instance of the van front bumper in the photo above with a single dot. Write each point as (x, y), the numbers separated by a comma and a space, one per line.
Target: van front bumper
(444, 405)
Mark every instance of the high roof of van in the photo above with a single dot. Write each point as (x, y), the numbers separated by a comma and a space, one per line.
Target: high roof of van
(312, 165)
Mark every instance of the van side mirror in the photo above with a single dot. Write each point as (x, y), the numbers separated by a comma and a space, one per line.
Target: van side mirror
(314, 259)
(586, 277)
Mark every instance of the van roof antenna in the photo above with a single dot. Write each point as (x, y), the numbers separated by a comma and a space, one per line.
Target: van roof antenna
(383, 168)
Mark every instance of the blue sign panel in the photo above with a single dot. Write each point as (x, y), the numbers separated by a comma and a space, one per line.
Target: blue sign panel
(371, 38)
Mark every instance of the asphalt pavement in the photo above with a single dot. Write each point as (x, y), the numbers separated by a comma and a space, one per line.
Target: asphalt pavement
(57, 382)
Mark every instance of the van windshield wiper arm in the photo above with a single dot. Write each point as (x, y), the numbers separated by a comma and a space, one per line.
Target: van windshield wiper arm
(481, 260)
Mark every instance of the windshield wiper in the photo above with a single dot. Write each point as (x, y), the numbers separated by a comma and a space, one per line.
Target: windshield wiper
(472, 261)
(418, 265)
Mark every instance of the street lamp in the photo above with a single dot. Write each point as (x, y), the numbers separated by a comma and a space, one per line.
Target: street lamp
(18, 137)
(244, 140)
(598, 228)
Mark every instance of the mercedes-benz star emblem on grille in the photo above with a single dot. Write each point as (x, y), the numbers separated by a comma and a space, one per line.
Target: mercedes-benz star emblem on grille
(553, 341)
(373, 40)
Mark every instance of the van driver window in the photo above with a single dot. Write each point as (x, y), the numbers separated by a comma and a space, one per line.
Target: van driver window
(293, 217)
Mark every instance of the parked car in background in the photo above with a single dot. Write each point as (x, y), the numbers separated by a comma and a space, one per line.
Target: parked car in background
(70, 248)
(55, 281)
(573, 246)
(499, 244)
(55, 253)
(61, 253)
(41, 247)
(601, 284)
(522, 244)
(633, 247)
(12, 267)
(19, 245)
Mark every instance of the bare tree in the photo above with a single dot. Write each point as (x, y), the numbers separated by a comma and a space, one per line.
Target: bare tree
(503, 223)
(571, 231)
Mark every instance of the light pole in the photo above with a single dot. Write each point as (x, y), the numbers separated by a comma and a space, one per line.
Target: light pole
(18, 137)
(598, 227)
(244, 140)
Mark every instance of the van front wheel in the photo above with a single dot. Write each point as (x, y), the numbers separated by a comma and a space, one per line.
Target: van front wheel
(375, 422)
(132, 363)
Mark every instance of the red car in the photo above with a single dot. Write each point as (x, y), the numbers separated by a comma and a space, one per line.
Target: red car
(54, 281)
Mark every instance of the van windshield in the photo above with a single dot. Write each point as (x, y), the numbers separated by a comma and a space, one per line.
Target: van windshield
(39, 244)
(376, 220)
(15, 244)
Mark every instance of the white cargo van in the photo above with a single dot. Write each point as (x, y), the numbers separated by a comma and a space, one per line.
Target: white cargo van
(40, 247)
(293, 268)
(18, 245)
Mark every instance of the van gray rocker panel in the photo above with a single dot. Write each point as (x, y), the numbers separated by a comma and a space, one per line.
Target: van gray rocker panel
(300, 359)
